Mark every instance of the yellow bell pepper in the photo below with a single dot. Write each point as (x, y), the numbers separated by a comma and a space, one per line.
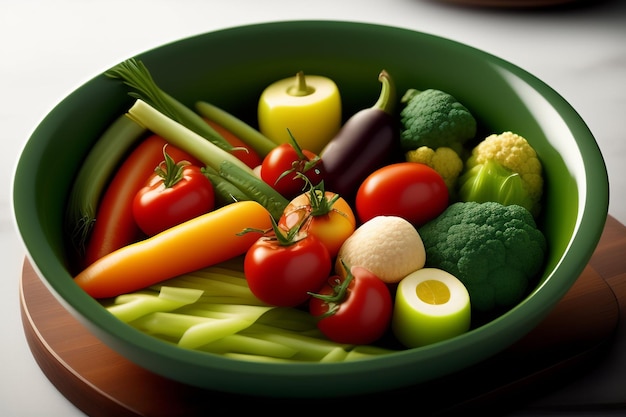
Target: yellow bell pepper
(307, 106)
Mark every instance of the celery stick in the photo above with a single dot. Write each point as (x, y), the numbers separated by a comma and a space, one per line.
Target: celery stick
(335, 355)
(182, 137)
(231, 275)
(226, 311)
(135, 74)
(243, 311)
(256, 358)
(309, 348)
(129, 307)
(223, 276)
(251, 136)
(213, 287)
(246, 298)
(366, 352)
(218, 299)
(95, 172)
(182, 295)
(289, 319)
(167, 324)
(237, 343)
(230, 319)
(212, 330)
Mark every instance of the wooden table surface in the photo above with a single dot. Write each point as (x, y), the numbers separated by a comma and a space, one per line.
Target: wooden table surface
(571, 339)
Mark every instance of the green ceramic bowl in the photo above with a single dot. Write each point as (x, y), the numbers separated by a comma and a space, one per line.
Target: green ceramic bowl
(230, 68)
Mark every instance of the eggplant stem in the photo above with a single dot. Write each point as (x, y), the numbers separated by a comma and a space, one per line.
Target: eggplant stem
(387, 98)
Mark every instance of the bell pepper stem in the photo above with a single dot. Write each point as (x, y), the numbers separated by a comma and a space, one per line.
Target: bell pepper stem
(300, 89)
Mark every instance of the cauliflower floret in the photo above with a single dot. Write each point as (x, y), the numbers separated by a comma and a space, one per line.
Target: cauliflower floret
(505, 168)
(444, 160)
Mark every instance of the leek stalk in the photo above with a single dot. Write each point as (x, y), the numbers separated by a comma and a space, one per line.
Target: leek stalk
(93, 176)
(135, 74)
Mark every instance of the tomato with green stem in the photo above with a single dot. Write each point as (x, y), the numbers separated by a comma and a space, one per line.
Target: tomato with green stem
(281, 166)
(354, 309)
(323, 214)
(115, 226)
(283, 266)
(411, 190)
(174, 193)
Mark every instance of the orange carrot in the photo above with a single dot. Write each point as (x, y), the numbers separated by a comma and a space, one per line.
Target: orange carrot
(198, 243)
(115, 226)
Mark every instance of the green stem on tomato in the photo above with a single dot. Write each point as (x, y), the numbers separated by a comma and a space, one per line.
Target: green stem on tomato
(320, 205)
(172, 173)
(308, 163)
(340, 290)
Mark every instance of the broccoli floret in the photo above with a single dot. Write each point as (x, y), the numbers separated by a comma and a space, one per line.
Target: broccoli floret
(434, 118)
(504, 168)
(495, 250)
(444, 160)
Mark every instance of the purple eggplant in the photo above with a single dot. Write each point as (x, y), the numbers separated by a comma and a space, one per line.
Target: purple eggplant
(366, 141)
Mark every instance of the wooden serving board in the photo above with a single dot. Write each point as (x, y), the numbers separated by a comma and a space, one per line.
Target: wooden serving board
(102, 383)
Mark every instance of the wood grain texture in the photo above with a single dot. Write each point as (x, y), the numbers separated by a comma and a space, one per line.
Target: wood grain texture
(102, 383)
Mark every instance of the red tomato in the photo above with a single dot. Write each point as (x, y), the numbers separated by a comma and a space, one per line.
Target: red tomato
(356, 309)
(410, 190)
(172, 195)
(323, 214)
(282, 164)
(283, 274)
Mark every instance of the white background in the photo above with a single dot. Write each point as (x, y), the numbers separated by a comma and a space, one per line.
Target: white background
(49, 48)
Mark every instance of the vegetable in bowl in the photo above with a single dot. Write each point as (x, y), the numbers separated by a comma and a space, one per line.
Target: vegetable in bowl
(434, 118)
(504, 168)
(495, 250)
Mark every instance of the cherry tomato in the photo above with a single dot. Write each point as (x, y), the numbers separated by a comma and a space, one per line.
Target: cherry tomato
(323, 214)
(410, 190)
(283, 273)
(175, 193)
(282, 164)
(356, 309)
